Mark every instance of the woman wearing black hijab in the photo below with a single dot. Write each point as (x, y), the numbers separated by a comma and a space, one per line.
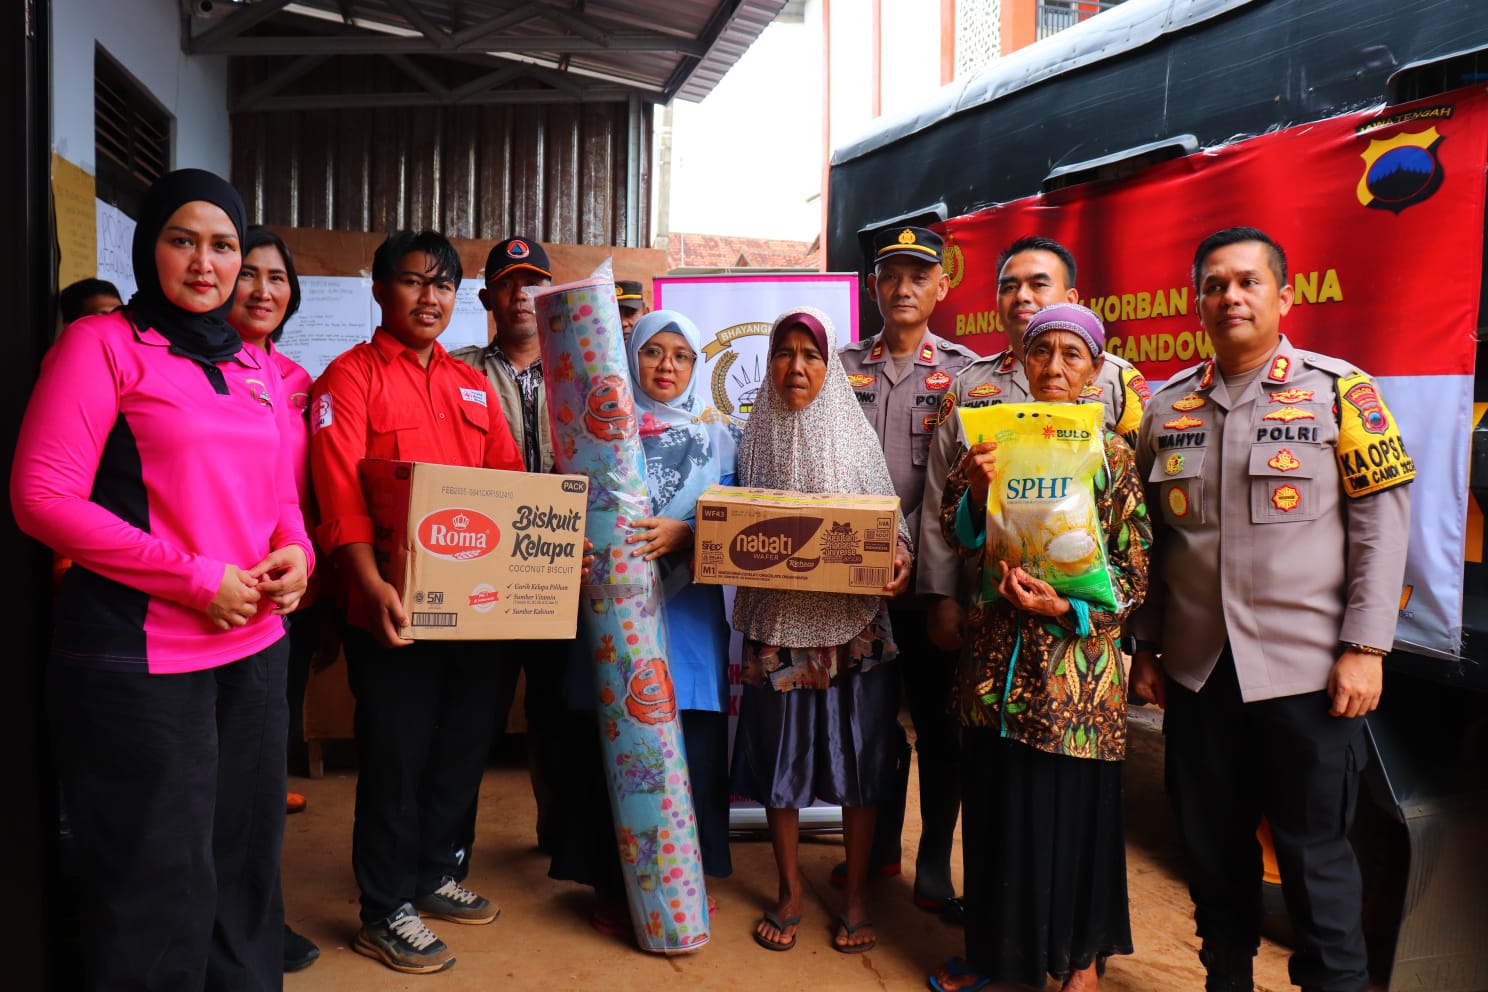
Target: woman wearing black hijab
(150, 455)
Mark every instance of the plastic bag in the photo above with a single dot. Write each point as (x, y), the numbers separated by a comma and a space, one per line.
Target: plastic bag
(1041, 510)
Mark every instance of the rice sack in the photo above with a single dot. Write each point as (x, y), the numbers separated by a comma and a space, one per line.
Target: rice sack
(1041, 506)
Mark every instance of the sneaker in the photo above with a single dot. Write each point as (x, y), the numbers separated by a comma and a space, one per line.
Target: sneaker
(300, 951)
(453, 902)
(403, 943)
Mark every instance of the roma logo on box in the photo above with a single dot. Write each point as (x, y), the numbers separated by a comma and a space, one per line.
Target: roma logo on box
(458, 534)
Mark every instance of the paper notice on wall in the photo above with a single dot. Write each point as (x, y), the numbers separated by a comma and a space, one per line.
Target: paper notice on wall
(115, 237)
(72, 197)
(468, 323)
(336, 313)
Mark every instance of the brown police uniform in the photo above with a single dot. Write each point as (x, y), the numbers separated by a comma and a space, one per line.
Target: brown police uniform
(903, 407)
(1231, 563)
(1281, 525)
(1000, 378)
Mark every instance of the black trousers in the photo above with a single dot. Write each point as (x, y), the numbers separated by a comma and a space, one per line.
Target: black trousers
(425, 714)
(927, 674)
(545, 711)
(174, 785)
(1228, 764)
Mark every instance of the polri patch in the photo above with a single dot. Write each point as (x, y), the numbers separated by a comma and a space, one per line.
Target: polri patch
(1192, 401)
(947, 404)
(1183, 423)
(1178, 501)
(938, 380)
(1293, 395)
(1371, 452)
(1174, 464)
(1286, 498)
(858, 379)
(1284, 461)
(1138, 384)
(1287, 414)
(984, 390)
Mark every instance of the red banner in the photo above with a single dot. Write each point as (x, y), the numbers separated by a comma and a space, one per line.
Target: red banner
(1380, 214)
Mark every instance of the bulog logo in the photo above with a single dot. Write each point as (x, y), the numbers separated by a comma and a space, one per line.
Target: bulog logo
(770, 542)
(458, 534)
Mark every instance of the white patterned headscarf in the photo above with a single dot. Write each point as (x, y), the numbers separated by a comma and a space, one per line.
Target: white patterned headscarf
(826, 447)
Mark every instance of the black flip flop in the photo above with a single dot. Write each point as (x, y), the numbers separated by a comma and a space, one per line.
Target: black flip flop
(849, 929)
(780, 925)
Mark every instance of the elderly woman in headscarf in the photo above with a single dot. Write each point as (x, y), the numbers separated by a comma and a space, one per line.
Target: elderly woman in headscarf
(817, 715)
(688, 446)
(1041, 696)
(150, 456)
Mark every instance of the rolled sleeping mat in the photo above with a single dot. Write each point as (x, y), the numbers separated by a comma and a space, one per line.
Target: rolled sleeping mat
(587, 379)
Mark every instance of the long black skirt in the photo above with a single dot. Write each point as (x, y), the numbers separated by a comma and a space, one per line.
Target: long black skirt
(838, 744)
(1044, 854)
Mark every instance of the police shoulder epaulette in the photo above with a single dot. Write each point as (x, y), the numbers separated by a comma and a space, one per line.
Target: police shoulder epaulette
(956, 348)
(1114, 359)
(1336, 367)
(1183, 381)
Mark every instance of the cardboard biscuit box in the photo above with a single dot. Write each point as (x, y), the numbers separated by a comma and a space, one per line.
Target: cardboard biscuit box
(819, 542)
(477, 553)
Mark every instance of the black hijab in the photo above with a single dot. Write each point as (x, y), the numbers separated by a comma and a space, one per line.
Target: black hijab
(202, 337)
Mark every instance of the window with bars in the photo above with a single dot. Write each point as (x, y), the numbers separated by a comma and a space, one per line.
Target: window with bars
(131, 135)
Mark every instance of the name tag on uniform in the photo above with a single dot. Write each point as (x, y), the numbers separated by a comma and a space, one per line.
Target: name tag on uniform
(473, 396)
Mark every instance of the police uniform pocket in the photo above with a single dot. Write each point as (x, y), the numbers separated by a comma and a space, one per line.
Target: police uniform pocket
(1283, 482)
(1179, 477)
(919, 450)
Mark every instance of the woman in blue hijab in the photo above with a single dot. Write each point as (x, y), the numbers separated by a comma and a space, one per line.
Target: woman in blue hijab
(689, 446)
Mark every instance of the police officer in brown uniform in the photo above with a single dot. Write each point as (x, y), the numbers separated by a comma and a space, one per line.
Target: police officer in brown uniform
(632, 299)
(899, 376)
(1277, 477)
(1033, 272)
(512, 363)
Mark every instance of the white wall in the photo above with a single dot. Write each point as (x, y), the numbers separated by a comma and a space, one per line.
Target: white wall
(747, 160)
(145, 37)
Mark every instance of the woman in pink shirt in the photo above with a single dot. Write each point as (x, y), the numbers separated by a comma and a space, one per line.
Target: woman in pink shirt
(149, 454)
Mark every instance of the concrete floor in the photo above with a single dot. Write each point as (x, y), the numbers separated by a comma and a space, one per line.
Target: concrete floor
(543, 941)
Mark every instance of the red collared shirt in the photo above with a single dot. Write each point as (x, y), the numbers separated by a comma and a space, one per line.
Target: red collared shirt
(377, 401)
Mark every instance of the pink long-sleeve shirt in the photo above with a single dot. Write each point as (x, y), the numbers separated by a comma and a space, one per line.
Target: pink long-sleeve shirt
(153, 473)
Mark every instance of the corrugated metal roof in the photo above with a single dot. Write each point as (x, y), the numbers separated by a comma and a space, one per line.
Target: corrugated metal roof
(595, 50)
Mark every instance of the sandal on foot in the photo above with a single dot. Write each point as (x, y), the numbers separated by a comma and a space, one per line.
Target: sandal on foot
(780, 926)
(956, 968)
(848, 929)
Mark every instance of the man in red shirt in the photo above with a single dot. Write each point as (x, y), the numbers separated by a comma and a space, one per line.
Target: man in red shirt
(425, 710)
